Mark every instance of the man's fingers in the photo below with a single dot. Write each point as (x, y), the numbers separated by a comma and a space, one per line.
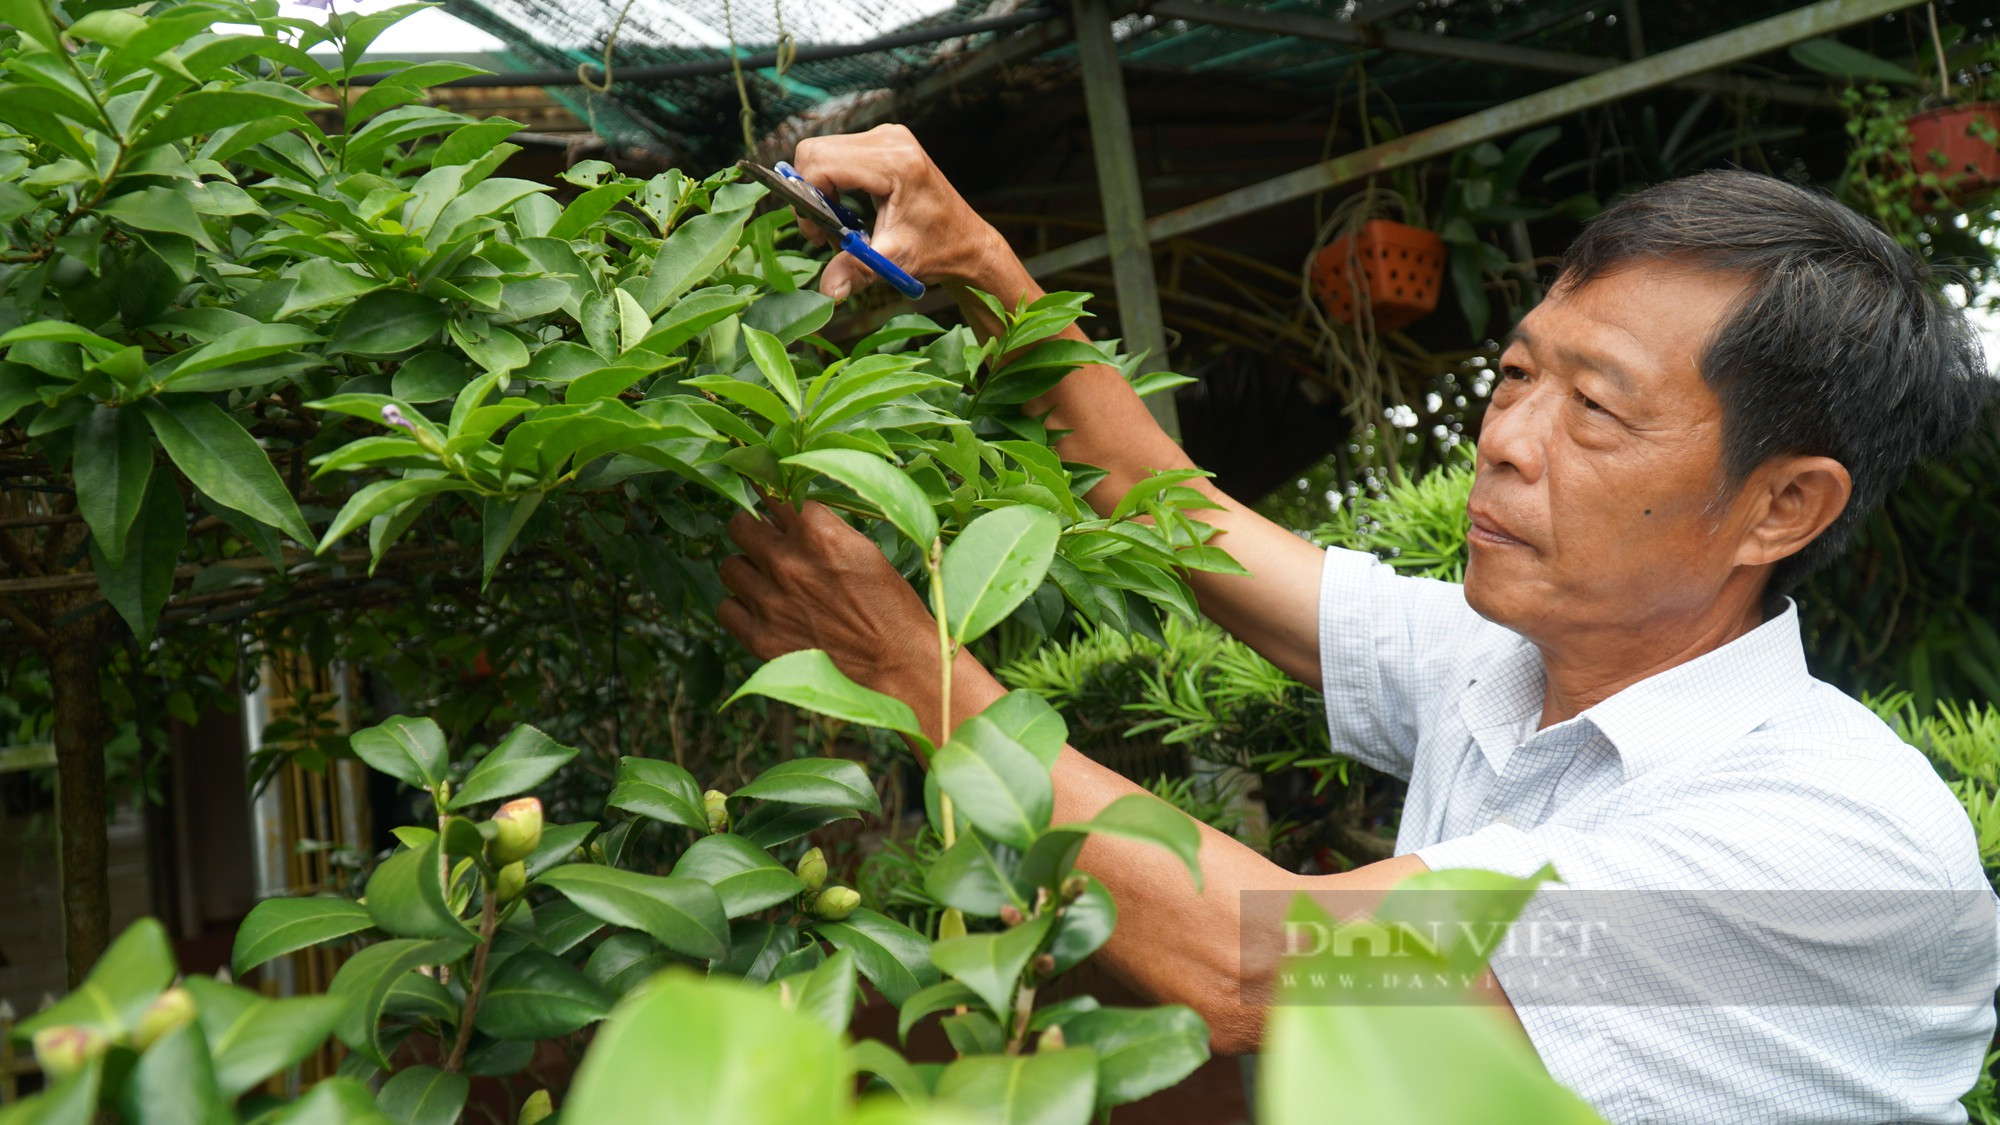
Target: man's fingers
(852, 162)
(845, 276)
(742, 577)
(754, 537)
(736, 617)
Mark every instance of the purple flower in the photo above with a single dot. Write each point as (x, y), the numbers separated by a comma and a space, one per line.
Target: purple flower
(394, 417)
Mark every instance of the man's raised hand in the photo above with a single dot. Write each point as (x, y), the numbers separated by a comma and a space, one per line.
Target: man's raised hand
(921, 222)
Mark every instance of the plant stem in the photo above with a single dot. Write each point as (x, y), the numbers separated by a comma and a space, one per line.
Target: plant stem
(934, 562)
(1024, 1011)
(488, 918)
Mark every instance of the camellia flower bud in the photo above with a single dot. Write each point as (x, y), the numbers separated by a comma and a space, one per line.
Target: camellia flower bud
(1051, 1040)
(812, 869)
(536, 1108)
(1074, 886)
(62, 1051)
(1011, 914)
(1044, 964)
(715, 804)
(173, 1009)
(517, 831)
(512, 881)
(836, 902)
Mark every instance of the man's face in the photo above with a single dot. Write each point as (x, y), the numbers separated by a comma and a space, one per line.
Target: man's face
(1599, 459)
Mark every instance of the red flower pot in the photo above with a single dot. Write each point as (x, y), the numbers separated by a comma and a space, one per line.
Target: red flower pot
(1401, 268)
(1952, 143)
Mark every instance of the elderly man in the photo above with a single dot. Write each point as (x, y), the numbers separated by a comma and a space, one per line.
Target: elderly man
(1729, 372)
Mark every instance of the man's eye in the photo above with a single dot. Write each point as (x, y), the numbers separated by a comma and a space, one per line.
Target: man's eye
(1589, 403)
(1512, 372)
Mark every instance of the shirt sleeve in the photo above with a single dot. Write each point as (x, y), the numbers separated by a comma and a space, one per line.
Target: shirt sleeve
(1389, 647)
(1827, 950)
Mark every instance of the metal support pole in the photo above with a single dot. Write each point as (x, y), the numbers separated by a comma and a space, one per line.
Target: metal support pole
(1726, 49)
(1124, 205)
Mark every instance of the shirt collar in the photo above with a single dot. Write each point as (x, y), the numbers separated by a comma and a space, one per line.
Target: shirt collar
(1713, 699)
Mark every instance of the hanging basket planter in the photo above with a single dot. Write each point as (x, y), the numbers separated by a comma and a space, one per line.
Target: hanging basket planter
(1400, 268)
(1956, 144)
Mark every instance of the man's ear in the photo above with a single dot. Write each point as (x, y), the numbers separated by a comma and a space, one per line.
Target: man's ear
(1801, 496)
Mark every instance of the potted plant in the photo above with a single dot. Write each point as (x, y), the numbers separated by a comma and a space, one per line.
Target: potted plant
(1919, 145)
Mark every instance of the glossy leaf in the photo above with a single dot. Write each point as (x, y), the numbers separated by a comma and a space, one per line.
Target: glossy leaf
(270, 1036)
(993, 565)
(744, 875)
(139, 586)
(681, 914)
(829, 782)
(335, 1101)
(940, 997)
(827, 993)
(996, 783)
(990, 964)
(709, 1052)
(808, 679)
(1045, 1088)
(1140, 1051)
(364, 982)
(880, 484)
(224, 461)
(424, 1095)
(533, 995)
(406, 897)
(660, 790)
(410, 750)
(278, 926)
(523, 760)
(113, 463)
(387, 323)
(968, 876)
(690, 254)
(1149, 820)
(1086, 925)
(894, 958)
(133, 970)
(756, 950)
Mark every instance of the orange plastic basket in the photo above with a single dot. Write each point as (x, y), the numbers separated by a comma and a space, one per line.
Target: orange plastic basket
(1401, 267)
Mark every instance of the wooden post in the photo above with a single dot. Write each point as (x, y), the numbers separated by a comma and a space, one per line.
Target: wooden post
(1124, 206)
(74, 651)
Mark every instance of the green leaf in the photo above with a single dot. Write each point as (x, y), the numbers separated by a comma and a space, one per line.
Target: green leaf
(523, 760)
(112, 464)
(827, 993)
(744, 876)
(204, 112)
(381, 497)
(139, 586)
(558, 841)
(808, 679)
(269, 1036)
(692, 315)
(1149, 820)
(997, 784)
(241, 346)
(501, 521)
(365, 980)
(278, 926)
(1831, 57)
(633, 323)
(755, 396)
(424, 1095)
(789, 316)
(1045, 1088)
(224, 461)
(894, 957)
(1028, 719)
(535, 996)
(562, 926)
(689, 255)
(1140, 1051)
(1460, 905)
(993, 565)
(968, 877)
(1086, 925)
(660, 790)
(587, 208)
(709, 1052)
(756, 949)
(32, 18)
(881, 484)
(942, 996)
(769, 356)
(991, 964)
(159, 209)
(407, 898)
(411, 750)
(173, 1083)
(827, 782)
(620, 962)
(773, 823)
(485, 198)
(871, 1056)
(137, 967)
(387, 323)
(335, 1101)
(1139, 494)
(681, 914)
(430, 376)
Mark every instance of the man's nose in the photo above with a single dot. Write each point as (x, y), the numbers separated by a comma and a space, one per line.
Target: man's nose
(1516, 435)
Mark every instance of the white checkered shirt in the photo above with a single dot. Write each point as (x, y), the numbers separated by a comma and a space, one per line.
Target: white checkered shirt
(1736, 771)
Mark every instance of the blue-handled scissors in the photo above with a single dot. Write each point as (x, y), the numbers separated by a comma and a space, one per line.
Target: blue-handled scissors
(817, 207)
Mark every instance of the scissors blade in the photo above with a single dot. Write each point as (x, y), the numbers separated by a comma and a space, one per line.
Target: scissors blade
(806, 204)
